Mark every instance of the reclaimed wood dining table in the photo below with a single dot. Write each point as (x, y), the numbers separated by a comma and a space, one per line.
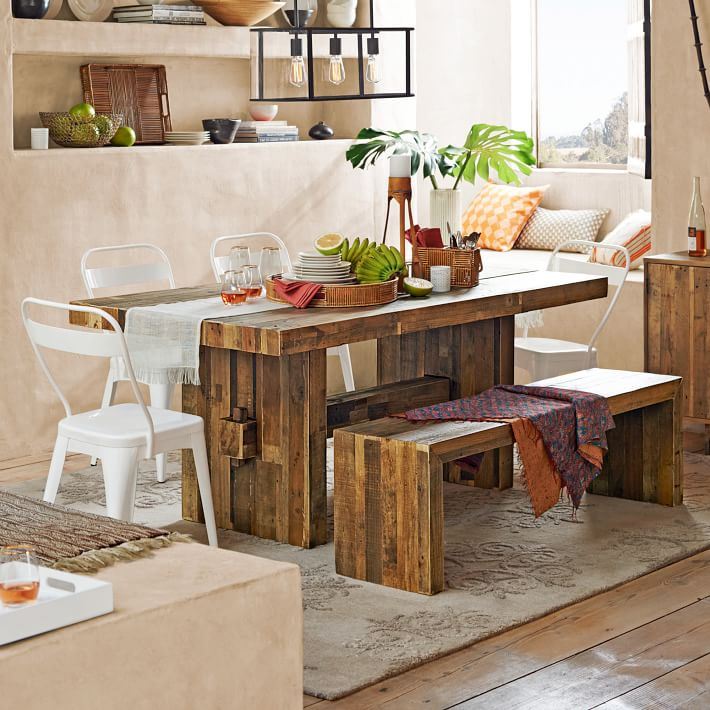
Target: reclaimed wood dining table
(273, 365)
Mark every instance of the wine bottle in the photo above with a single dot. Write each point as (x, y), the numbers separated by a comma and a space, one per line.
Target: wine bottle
(696, 223)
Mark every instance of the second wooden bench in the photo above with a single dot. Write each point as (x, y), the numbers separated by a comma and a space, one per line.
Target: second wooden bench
(389, 490)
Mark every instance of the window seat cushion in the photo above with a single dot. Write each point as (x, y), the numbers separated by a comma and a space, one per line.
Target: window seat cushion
(536, 259)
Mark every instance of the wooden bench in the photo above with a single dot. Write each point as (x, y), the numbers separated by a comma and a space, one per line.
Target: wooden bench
(389, 503)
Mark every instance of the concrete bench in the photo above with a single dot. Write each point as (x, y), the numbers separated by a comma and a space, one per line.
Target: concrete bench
(389, 503)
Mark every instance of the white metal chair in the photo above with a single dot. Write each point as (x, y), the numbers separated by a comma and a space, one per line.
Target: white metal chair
(220, 264)
(542, 358)
(112, 277)
(120, 435)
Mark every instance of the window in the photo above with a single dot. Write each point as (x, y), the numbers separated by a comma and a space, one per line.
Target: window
(585, 56)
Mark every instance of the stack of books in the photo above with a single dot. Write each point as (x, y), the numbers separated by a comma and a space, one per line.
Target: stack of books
(266, 132)
(160, 14)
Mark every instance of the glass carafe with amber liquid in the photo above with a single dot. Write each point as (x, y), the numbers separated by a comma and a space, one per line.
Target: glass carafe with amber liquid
(696, 223)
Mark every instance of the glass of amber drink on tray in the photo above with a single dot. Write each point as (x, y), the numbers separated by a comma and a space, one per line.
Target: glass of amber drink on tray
(19, 575)
(234, 287)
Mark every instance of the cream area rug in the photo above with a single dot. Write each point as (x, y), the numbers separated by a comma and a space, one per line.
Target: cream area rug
(503, 568)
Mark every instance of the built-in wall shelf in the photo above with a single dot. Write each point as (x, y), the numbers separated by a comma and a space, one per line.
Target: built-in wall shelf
(242, 149)
(113, 39)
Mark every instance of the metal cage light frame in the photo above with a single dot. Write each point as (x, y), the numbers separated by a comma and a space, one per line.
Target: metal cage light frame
(367, 44)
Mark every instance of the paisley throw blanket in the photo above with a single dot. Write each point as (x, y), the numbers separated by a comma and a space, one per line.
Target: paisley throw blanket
(561, 434)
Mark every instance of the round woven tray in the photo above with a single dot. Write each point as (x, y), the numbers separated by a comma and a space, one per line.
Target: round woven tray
(346, 296)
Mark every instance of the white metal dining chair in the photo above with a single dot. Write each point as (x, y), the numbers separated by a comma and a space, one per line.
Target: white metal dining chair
(542, 358)
(122, 434)
(137, 275)
(220, 264)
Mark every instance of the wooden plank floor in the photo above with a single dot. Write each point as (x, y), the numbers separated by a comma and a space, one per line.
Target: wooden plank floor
(645, 644)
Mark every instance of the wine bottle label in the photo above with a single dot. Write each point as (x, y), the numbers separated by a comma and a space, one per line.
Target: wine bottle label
(692, 239)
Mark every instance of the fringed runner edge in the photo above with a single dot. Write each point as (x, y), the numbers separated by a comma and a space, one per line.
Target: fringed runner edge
(94, 560)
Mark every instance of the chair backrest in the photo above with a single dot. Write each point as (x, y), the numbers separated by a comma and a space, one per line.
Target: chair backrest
(615, 274)
(126, 275)
(82, 341)
(220, 263)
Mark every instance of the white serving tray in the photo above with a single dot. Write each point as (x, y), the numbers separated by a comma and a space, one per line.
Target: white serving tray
(64, 599)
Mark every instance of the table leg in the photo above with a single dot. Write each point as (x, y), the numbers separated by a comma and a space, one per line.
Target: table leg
(212, 400)
(475, 357)
(290, 495)
(281, 494)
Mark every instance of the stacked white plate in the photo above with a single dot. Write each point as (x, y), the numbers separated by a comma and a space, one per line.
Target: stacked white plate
(320, 269)
(187, 137)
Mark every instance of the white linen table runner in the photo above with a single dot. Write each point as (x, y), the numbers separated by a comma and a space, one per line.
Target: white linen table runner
(164, 340)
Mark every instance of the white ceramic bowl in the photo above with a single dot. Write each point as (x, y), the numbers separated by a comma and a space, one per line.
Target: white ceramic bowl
(263, 112)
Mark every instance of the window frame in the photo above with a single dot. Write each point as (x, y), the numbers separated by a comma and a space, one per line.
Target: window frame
(535, 96)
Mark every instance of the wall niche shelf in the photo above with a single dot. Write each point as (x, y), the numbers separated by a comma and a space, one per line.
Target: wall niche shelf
(335, 145)
(113, 39)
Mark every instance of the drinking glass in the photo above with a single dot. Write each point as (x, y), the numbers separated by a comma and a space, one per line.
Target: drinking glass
(19, 575)
(270, 262)
(239, 257)
(255, 280)
(234, 287)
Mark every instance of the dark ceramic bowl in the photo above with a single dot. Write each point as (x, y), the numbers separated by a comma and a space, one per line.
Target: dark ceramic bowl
(30, 9)
(222, 130)
(303, 15)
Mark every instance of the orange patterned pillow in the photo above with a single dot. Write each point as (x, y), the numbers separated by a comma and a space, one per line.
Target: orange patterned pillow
(499, 213)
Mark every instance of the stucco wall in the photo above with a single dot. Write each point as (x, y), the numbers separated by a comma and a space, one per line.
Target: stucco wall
(681, 120)
(54, 205)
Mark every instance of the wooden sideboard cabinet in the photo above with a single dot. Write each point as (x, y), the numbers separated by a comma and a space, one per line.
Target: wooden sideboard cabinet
(677, 327)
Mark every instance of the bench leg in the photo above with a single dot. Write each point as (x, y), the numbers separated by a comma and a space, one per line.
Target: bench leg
(645, 460)
(388, 523)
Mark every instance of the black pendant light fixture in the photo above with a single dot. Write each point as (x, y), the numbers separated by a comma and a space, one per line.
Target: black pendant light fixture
(353, 68)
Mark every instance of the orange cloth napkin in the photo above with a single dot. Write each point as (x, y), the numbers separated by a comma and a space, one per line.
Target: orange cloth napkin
(298, 293)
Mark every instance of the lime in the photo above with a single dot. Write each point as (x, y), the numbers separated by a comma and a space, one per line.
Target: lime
(329, 244)
(125, 137)
(83, 112)
(417, 287)
(85, 133)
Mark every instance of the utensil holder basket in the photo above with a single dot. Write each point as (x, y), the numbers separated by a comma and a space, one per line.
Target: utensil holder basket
(466, 264)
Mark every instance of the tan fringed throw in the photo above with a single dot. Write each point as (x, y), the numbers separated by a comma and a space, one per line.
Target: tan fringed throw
(74, 541)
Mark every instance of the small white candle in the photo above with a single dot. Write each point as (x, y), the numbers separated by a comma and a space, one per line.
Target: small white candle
(401, 166)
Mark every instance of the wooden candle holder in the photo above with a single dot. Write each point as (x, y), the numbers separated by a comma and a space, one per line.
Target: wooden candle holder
(400, 190)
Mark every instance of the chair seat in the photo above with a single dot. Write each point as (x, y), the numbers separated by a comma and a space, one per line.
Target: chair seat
(550, 346)
(124, 426)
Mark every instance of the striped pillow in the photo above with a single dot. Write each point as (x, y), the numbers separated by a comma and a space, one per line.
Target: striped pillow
(634, 233)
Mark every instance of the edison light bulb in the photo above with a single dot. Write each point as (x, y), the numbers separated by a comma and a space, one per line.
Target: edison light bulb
(372, 70)
(297, 73)
(336, 70)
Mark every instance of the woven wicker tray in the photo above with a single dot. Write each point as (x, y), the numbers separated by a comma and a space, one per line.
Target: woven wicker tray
(346, 296)
(138, 91)
(466, 264)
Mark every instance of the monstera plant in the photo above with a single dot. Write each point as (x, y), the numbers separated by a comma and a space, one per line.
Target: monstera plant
(488, 149)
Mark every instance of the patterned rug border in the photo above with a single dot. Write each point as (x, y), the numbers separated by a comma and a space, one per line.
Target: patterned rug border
(504, 629)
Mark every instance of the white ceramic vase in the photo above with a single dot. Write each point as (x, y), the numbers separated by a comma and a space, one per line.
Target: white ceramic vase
(342, 13)
(445, 206)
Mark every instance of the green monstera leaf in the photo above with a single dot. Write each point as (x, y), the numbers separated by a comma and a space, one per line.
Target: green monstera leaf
(487, 148)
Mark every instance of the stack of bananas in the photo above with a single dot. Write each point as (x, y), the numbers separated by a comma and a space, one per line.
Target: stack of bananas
(371, 262)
